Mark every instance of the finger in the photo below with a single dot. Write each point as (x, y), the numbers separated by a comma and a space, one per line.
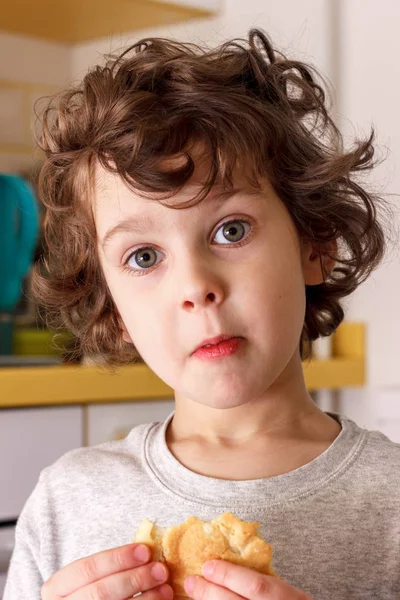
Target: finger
(84, 571)
(125, 584)
(164, 592)
(249, 583)
(199, 588)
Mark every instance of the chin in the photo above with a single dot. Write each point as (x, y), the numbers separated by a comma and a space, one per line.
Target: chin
(228, 396)
(228, 403)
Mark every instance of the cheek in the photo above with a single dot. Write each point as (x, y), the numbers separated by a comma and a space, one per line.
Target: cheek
(136, 314)
(275, 296)
(144, 320)
(140, 319)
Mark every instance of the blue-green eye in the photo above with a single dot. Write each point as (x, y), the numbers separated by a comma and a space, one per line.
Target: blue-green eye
(144, 258)
(232, 232)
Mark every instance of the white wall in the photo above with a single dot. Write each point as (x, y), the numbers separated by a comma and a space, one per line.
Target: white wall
(370, 95)
(29, 69)
(31, 60)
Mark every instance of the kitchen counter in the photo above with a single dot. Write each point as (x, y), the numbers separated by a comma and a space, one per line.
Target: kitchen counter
(66, 384)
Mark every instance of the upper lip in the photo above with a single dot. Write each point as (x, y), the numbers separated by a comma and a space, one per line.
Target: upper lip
(214, 340)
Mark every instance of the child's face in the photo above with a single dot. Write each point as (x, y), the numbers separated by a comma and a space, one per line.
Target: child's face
(197, 280)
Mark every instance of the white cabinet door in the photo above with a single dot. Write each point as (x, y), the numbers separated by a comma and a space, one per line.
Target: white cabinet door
(108, 422)
(31, 439)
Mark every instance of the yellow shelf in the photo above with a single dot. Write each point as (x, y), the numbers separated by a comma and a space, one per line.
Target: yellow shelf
(66, 384)
(75, 21)
(335, 373)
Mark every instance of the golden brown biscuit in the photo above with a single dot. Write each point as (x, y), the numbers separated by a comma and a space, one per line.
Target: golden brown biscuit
(186, 547)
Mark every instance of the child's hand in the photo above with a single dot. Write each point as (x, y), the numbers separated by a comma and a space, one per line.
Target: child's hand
(225, 581)
(115, 574)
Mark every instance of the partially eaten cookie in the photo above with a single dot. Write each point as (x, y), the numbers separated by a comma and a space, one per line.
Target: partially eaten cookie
(186, 547)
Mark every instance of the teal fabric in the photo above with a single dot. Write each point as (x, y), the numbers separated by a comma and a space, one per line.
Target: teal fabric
(19, 226)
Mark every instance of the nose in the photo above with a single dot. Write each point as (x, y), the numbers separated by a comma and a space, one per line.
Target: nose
(200, 286)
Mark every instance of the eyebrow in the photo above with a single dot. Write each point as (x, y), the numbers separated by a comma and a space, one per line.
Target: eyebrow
(138, 224)
(143, 224)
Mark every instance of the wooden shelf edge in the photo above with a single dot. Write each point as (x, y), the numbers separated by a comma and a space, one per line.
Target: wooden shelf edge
(77, 384)
(335, 373)
(60, 385)
(76, 22)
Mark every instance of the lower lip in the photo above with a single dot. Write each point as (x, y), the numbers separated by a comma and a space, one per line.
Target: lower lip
(225, 348)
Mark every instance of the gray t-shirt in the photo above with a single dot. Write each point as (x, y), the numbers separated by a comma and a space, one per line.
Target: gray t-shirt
(334, 523)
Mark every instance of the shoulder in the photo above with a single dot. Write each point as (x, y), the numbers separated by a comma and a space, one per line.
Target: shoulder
(380, 449)
(377, 463)
(97, 463)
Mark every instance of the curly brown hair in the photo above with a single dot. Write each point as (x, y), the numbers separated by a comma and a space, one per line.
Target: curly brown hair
(150, 103)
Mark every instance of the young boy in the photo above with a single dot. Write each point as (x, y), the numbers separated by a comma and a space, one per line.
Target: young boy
(202, 213)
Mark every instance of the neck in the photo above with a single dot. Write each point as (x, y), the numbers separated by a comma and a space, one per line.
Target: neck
(281, 427)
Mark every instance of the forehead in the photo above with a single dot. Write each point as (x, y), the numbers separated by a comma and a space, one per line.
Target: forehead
(113, 197)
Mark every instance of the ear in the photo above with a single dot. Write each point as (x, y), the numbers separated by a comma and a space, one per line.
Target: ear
(318, 261)
(125, 335)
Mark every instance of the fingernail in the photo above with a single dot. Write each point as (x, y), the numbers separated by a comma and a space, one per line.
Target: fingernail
(166, 592)
(189, 584)
(142, 553)
(159, 572)
(208, 568)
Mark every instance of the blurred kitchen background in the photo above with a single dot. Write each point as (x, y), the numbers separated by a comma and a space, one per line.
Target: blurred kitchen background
(45, 46)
